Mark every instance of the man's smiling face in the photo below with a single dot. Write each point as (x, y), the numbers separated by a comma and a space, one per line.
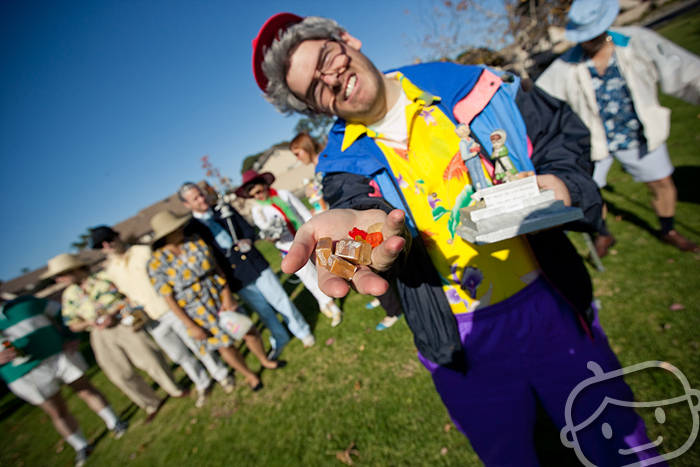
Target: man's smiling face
(354, 92)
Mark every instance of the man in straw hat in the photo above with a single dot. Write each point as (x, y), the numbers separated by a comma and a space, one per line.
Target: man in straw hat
(40, 356)
(92, 303)
(611, 81)
(499, 326)
(126, 268)
(249, 275)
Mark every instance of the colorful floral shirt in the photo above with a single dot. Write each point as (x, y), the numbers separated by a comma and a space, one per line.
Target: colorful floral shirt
(171, 274)
(436, 185)
(190, 278)
(85, 302)
(622, 127)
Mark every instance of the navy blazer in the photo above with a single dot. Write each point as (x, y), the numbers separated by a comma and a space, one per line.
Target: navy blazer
(240, 268)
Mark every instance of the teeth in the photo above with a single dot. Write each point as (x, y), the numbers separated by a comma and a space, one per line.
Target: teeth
(351, 86)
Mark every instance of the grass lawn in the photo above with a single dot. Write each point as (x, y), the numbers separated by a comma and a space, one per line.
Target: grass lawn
(365, 388)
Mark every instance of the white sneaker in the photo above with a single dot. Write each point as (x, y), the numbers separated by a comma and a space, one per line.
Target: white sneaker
(308, 341)
(327, 312)
(228, 384)
(82, 455)
(201, 399)
(387, 322)
(337, 318)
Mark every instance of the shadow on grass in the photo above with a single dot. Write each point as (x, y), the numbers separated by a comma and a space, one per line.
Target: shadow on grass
(686, 195)
(10, 405)
(686, 178)
(304, 301)
(127, 414)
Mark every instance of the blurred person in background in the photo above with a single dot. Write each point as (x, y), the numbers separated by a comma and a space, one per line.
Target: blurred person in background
(93, 304)
(126, 268)
(307, 149)
(39, 357)
(279, 214)
(184, 271)
(249, 274)
(611, 79)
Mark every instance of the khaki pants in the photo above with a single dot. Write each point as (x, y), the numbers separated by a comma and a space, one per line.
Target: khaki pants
(118, 350)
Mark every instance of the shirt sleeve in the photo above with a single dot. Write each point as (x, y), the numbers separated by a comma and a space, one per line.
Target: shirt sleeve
(104, 293)
(241, 224)
(259, 218)
(299, 207)
(561, 147)
(159, 279)
(69, 305)
(678, 69)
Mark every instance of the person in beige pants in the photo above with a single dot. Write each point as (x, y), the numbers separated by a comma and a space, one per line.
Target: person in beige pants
(92, 303)
(118, 349)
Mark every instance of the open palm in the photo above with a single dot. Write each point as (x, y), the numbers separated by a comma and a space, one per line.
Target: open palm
(336, 224)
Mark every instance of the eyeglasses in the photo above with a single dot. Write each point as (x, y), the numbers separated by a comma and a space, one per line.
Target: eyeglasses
(332, 60)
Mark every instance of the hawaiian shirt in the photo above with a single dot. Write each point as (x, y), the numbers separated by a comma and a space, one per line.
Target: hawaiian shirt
(87, 301)
(436, 185)
(181, 275)
(622, 127)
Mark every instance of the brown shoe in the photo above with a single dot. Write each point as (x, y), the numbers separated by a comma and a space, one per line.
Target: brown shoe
(679, 241)
(183, 394)
(603, 243)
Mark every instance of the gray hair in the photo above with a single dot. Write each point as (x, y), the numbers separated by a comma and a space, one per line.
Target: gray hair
(187, 186)
(276, 63)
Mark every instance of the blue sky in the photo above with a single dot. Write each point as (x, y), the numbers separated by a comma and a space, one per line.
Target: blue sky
(106, 107)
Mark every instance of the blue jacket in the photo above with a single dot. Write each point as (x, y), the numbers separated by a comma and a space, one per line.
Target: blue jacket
(545, 129)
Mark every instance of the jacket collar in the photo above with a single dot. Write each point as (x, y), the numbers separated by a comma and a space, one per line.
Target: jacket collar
(576, 55)
(354, 130)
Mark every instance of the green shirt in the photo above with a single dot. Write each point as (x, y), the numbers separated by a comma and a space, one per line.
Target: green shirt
(26, 324)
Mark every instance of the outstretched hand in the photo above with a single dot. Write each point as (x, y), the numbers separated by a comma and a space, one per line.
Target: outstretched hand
(336, 224)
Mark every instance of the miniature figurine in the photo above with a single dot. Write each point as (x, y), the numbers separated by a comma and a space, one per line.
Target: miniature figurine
(504, 171)
(469, 150)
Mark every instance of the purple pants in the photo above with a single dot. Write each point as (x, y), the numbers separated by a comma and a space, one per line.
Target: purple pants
(531, 347)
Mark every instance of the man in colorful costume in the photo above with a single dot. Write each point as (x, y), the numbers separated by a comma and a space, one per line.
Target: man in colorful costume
(499, 326)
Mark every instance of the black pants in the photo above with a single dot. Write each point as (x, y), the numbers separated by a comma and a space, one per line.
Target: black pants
(390, 302)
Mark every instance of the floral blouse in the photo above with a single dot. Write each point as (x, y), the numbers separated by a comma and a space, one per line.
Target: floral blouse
(84, 303)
